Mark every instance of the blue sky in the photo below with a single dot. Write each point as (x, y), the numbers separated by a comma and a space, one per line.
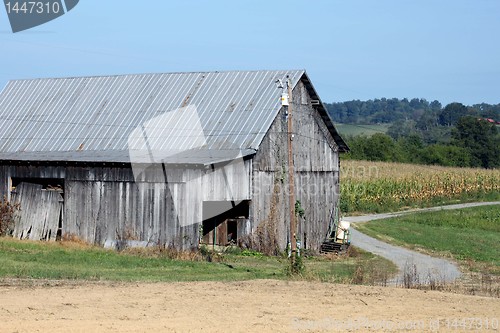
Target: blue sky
(447, 50)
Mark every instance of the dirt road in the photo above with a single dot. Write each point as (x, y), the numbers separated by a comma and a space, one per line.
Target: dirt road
(426, 267)
(248, 306)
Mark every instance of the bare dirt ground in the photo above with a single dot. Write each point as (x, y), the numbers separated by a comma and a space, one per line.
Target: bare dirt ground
(248, 306)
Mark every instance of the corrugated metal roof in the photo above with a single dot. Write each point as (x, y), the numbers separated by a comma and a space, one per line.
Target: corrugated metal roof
(92, 119)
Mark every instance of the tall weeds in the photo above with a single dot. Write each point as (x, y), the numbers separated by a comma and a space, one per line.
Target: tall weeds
(7, 211)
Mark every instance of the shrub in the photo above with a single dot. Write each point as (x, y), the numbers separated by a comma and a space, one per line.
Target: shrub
(295, 267)
(7, 211)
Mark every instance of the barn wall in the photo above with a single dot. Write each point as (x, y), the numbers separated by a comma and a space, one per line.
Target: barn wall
(316, 162)
(104, 205)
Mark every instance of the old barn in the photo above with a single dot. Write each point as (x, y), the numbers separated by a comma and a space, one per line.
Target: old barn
(168, 159)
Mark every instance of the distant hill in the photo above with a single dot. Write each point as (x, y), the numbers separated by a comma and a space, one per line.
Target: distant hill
(390, 110)
(416, 131)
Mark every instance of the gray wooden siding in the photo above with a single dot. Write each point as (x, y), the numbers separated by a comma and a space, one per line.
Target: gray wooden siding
(104, 205)
(316, 161)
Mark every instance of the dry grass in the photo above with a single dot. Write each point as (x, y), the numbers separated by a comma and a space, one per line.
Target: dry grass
(72, 241)
(472, 283)
(164, 252)
(265, 239)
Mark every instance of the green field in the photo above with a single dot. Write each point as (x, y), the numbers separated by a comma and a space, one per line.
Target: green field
(471, 235)
(66, 260)
(346, 130)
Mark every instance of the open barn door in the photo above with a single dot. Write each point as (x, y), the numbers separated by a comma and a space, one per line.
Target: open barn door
(226, 226)
(40, 211)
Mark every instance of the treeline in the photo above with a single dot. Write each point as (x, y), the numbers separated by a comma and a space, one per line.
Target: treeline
(381, 147)
(390, 110)
(456, 135)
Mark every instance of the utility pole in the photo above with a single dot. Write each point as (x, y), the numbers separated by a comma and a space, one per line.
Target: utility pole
(291, 178)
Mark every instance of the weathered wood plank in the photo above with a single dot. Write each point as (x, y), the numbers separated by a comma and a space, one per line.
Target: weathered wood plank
(38, 217)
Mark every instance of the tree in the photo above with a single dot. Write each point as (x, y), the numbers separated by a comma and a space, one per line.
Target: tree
(410, 147)
(481, 139)
(451, 113)
(426, 121)
(380, 147)
(436, 105)
(445, 155)
(402, 128)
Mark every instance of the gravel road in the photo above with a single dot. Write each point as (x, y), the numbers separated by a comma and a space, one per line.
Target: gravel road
(425, 266)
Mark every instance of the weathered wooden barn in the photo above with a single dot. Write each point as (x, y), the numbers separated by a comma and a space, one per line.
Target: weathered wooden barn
(167, 159)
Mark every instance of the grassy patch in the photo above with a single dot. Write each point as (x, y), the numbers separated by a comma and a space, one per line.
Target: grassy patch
(22, 259)
(73, 261)
(470, 235)
(367, 130)
(357, 267)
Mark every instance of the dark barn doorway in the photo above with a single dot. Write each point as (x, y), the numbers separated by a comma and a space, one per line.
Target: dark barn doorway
(224, 222)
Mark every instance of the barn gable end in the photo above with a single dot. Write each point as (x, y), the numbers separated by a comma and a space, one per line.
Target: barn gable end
(316, 161)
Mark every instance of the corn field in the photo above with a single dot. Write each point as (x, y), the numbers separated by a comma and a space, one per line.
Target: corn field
(378, 186)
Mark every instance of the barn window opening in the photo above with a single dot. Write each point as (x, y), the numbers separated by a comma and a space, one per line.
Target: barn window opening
(224, 222)
(48, 184)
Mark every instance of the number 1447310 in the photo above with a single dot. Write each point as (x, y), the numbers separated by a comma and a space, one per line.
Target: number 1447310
(32, 7)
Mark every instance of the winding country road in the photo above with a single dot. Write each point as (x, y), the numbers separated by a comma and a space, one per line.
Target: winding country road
(426, 267)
